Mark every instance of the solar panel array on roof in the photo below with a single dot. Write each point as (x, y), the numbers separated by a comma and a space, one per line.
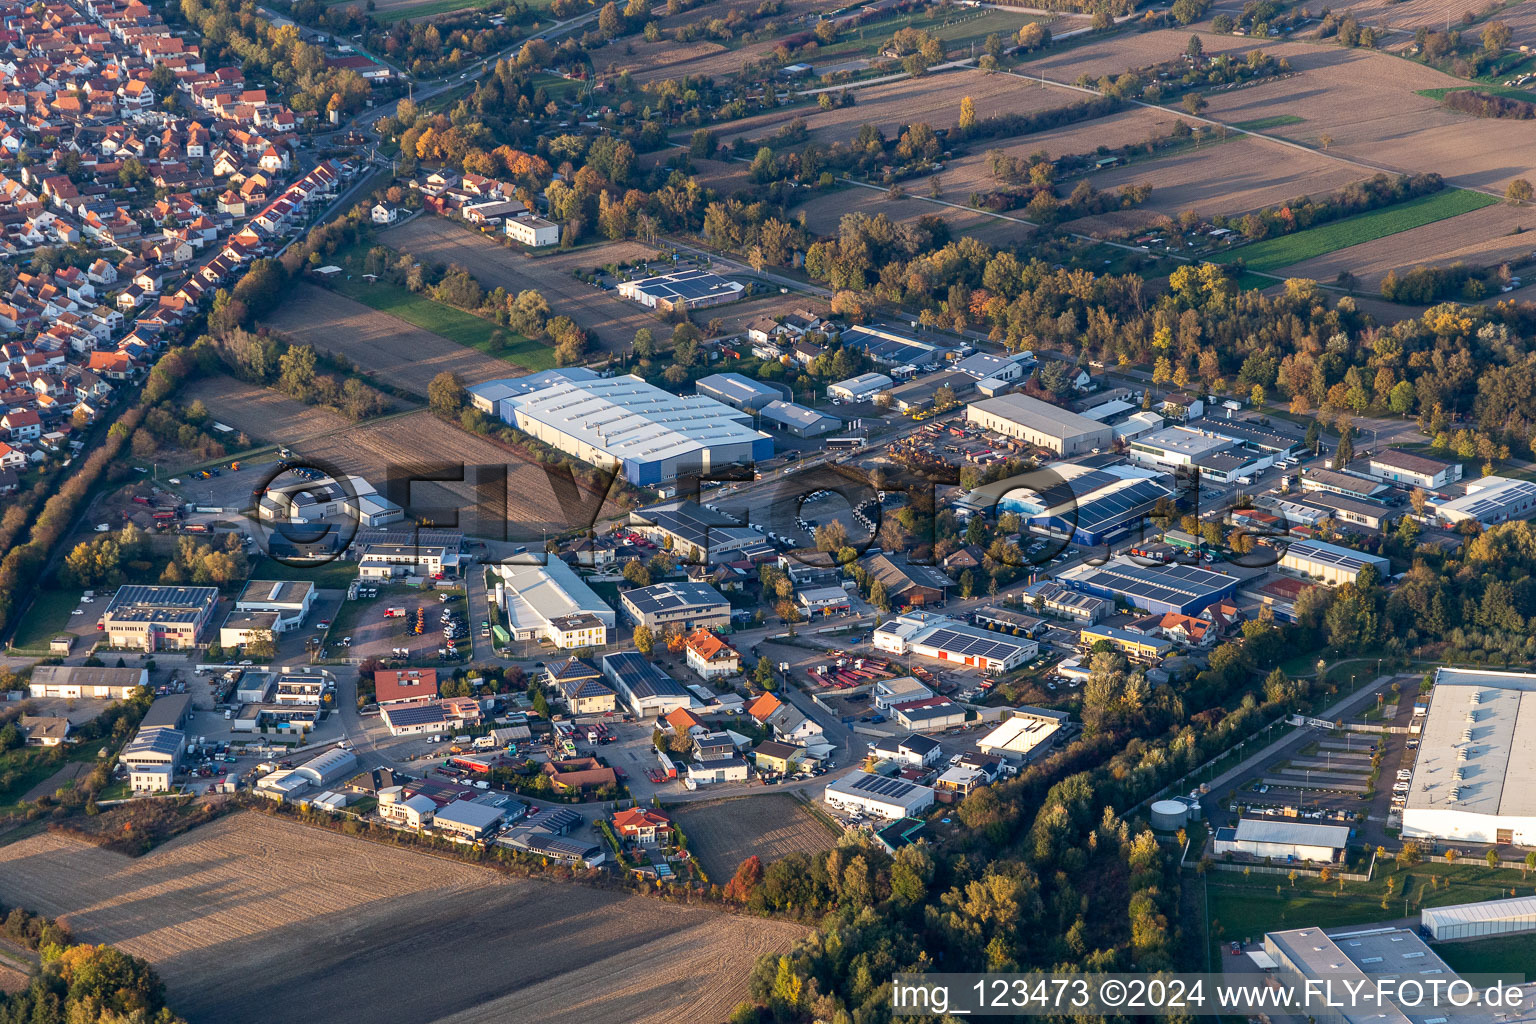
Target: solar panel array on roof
(1517, 494)
(1119, 506)
(971, 646)
(1328, 554)
(879, 785)
(1171, 584)
(409, 715)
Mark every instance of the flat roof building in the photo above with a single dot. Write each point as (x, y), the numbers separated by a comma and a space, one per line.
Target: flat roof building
(1350, 485)
(288, 600)
(1491, 500)
(550, 602)
(867, 793)
(945, 639)
(1284, 840)
(1330, 562)
(1040, 424)
(686, 289)
(467, 819)
(1134, 645)
(158, 618)
(1022, 737)
(698, 535)
(688, 606)
(1475, 777)
(1177, 447)
(1186, 589)
(652, 434)
(75, 682)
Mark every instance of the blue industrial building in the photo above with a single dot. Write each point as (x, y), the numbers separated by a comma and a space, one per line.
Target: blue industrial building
(1183, 589)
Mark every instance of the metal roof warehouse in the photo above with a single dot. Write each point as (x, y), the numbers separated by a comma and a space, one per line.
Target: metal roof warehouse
(1185, 589)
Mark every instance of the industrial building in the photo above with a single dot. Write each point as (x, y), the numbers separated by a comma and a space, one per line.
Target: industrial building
(76, 682)
(645, 687)
(687, 606)
(929, 714)
(685, 289)
(945, 639)
(1476, 920)
(651, 434)
(1475, 777)
(1061, 600)
(921, 392)
(1136, 646)
(313, 501)
(1362, 957)
(550, 602)
(288, 601)
(1186, 589)
(1086, 507)
(1040, 424)
(534, 232)
(1029, 733)
(467, 820)
(388, 561)
(153, 757)
(1331, 563)
(1491, 500)
(1408, 469)
(888, 347)
(1284, 840)
(866, 793)
(699, 536)
(862, 388)
(741, 392)
(158, 618)
(796, 420)
(240, 628)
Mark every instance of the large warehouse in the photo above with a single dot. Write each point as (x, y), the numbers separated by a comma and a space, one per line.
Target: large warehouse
(1330, 562)
(1186, 589)
(550, 602)
(1491, 500)
(945, 639)
(866, 793)
(1284, 840)
(1473, 920)
(652, 434)
(1040, 423)
(1475, 779)
(741, 392)
(158, 618)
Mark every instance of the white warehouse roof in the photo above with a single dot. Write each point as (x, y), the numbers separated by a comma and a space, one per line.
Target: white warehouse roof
(1298, 833)
(1470, 756)
(1521, 908)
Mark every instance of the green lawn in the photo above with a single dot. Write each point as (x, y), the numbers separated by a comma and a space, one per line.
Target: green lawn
(454, 324)
(1507, 954)
(1274, 253)
(1265, 123)
(1493, 90)
(1246, 907)
(334, 575)
(46, 619)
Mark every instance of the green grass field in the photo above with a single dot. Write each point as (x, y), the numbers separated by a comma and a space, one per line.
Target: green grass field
(330, 576)
(1505, 954)
(1245, 907)
(454, 324)
(1492, 90)
(46, 619)
(1265, 123)
(1274, 253)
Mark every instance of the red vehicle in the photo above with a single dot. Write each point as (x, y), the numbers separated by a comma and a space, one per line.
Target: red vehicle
(163, 516)
(139, 499)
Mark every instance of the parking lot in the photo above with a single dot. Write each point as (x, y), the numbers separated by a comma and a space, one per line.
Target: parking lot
(384, 626)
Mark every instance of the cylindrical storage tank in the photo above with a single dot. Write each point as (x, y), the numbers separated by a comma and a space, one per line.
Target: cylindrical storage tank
(1168, 815)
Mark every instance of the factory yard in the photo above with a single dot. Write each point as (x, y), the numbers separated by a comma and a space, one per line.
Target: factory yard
(724, 833)
(253, 920)
(386, 348)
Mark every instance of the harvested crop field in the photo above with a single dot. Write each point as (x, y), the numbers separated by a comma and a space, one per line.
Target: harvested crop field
(932, 98)
(251, 919)
(970, 173)
(611, 320)
(823, 213)
(1235, 176)
(262, 413)
(1481, 238)
(724, 833)
(420, 439)
(382, 346)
